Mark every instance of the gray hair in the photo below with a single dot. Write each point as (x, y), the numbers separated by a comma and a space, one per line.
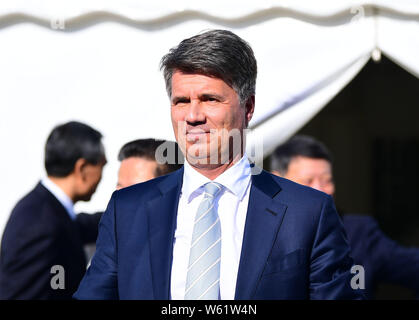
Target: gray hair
(216, 53)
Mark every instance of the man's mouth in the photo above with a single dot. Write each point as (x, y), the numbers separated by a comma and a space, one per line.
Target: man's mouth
(194, 135)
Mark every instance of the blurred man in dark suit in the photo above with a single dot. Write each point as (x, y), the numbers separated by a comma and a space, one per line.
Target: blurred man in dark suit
(42, 254)
(139, 161)
(307, 161)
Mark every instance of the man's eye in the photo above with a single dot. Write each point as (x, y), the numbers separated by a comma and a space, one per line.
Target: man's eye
(178, 102)
(210, 99)
(327, 180)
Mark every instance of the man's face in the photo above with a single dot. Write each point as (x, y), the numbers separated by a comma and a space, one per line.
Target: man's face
(134, 170)
(88, 180)
(315, 173)
(204, 110)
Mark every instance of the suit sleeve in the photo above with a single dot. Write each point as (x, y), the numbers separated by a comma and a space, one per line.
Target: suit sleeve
(101, 279)
(88, 225)
(397, 264)
(330, 269)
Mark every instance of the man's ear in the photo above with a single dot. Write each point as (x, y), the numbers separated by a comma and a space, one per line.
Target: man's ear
(80, 168)
(250, 109)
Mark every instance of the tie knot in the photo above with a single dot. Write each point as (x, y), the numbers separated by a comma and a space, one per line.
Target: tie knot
(212, 188)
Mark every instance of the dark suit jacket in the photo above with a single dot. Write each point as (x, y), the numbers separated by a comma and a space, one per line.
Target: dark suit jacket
(39, 235)
(294, 245)
(383, 259)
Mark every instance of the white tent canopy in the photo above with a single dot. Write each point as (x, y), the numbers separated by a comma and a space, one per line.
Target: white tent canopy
(98, 62)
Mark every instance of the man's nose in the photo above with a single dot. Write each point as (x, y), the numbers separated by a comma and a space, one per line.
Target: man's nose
(195, 112)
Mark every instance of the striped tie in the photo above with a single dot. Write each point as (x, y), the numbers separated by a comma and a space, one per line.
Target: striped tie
(203, 279)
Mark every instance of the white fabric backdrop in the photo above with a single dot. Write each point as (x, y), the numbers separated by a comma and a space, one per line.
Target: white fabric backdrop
(105, 73)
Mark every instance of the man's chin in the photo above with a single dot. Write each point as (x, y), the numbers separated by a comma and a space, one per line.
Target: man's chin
(86, 197)
(203, 154)
(201, 161)
(197, 151)
(194, 160)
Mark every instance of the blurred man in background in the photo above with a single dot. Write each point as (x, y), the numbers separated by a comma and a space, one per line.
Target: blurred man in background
(42, 254)
(139, 163)
(307, 161)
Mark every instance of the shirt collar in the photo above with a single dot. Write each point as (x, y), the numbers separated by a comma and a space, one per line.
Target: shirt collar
(64, 199)
(236, 179)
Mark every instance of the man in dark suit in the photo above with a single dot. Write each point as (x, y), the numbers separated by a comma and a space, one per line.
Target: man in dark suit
(214, 230)
(42, 254)
(305, 160)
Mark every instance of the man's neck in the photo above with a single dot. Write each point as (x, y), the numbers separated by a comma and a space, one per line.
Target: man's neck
(212, 171)
(66, 185)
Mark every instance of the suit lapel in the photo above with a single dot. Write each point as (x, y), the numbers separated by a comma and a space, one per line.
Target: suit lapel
(162, 212)
(263, 220)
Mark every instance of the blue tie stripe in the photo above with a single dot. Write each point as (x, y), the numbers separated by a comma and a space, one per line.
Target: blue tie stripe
(202, 245)
(205, 231)
(205, 279)
(200, 263)
(204, 213)
(211, 292)
(205, 254)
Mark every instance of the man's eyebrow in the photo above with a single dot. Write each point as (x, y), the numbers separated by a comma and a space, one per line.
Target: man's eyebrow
(205, 96)
(180, 98)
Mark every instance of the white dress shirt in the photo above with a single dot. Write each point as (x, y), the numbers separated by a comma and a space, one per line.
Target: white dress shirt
(232, 210)
(60, 195)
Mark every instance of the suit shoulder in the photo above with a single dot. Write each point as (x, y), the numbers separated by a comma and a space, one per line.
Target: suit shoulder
(295, 190)
(303, 203)
(146, 190)
(32, 213)
(32, 206)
